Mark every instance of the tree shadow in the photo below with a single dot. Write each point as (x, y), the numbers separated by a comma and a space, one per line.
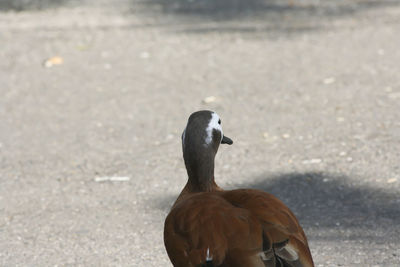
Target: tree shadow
(26, 5)
(325, 201)
(233, 9)
(227, 16)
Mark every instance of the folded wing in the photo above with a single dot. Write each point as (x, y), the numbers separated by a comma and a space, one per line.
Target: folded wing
(234, 228)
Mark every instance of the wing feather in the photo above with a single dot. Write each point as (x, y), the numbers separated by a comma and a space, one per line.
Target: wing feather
(235, 227)
(282, 233)
(207, 221)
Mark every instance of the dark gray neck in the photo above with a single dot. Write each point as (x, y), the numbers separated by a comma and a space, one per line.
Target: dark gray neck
(200, 169)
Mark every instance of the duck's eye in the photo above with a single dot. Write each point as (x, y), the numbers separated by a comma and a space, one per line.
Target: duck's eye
(219, 121)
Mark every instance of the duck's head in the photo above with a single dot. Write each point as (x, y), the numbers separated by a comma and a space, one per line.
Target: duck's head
(204, 132)
(200, 141)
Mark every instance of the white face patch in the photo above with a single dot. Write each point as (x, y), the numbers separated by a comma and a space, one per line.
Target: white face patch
(213, 124)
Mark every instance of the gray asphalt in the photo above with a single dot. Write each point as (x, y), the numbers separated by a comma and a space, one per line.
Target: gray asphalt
(308, 90)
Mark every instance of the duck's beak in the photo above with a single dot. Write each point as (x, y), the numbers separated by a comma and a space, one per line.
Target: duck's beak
(226, 140)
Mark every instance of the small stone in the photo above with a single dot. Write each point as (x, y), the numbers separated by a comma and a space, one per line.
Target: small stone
(101, 179)
(120, 178)
(286, 136)
(312, 161)
(209, 99)
(329, 80)
(394, 95)
(53, 61)
(144, 55)
(340, 119)
(391, 180)
(343, 153)
(270, 139)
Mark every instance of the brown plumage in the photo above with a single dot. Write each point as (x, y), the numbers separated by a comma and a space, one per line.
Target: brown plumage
(208, 226)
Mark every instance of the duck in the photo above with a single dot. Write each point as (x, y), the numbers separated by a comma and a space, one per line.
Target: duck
(211, 227)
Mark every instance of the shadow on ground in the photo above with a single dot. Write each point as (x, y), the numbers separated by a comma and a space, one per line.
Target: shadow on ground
(227, 16)
(231, 9)
(322, 201)
(325, 201)
(26, 5)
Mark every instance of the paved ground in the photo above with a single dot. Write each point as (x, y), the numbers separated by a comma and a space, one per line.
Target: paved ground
(308, 90)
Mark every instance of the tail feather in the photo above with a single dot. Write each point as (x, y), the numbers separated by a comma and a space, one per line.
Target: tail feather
(207, 264)
(279, 254)
(277, 261)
